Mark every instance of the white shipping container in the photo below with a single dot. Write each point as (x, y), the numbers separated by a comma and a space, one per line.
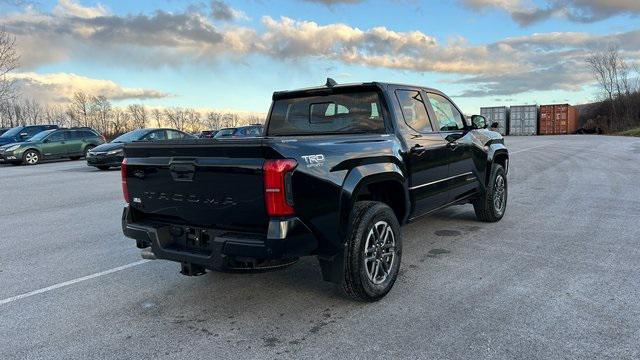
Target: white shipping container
(497, 114)
(523, 120)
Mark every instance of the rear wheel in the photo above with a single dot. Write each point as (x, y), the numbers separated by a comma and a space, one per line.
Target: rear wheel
(31, 157)
(373, 253)
(490, 207)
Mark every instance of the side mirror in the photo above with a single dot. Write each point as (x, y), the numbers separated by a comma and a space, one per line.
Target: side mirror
(495, 125)
(478, 122)
(23, 135)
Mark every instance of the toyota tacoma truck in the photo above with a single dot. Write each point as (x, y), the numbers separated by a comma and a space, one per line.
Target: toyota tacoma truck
(337, 171)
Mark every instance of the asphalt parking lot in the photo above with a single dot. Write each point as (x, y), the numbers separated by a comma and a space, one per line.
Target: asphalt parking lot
(558, 277)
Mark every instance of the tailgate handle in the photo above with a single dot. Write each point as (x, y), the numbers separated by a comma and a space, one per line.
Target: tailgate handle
(182, 172)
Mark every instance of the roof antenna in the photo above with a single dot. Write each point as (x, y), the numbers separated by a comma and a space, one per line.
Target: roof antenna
(331, 83)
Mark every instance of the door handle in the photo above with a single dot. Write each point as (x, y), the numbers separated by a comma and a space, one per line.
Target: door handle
(452, 145)
(418, 149)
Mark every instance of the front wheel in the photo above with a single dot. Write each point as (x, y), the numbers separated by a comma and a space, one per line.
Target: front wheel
(491, 205)
(373, 252)
(31, 157)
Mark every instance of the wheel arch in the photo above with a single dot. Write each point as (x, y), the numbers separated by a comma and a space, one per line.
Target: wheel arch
(384, 182)
(498, 154)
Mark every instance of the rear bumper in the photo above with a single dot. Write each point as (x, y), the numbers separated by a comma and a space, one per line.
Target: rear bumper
(286, 238)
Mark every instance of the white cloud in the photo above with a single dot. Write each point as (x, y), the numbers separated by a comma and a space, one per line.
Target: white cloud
(175, 39)
(59, 87)
(74, 9)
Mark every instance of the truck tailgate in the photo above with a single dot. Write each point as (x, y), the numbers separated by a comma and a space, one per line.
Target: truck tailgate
(208, 183)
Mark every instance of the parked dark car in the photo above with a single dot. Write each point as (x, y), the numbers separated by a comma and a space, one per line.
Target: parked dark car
(22, 133)
(338, 170)
(58, 143)
(207, 134)
(110, 155)
(240, 132)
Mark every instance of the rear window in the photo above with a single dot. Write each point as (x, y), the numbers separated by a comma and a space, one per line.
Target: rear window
(359, 112)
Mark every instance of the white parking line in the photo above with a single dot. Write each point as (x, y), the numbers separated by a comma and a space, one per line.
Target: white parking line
(531, 148)
(71, 282)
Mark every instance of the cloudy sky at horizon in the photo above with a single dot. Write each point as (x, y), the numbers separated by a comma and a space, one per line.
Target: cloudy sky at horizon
(234, 54)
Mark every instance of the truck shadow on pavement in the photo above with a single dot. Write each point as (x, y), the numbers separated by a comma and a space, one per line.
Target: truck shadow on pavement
(281, 310)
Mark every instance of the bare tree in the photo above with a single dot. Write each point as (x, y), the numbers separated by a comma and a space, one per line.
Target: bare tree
(213, 120)
(230, 120)
(176, 118)
(101, 113)
(613, 76)
(8, 62)
(80, 108)
(193, 120)
(120, 122)
(138, 115)
(157, 116)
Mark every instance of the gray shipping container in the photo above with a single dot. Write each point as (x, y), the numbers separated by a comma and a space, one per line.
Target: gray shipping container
(498, 114)
(523, 120)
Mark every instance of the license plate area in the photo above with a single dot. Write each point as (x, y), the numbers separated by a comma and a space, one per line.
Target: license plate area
(191, 239)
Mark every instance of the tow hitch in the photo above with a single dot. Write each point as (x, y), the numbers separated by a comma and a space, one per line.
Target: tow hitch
(191, 269)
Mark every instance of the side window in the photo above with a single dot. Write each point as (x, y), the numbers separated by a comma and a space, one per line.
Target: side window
(255, 131)
(155, 136)
(414, 110)
(57, 136)
(448, 118)
(173, 135)
(32, 130)
(87, 134)
(75, 135)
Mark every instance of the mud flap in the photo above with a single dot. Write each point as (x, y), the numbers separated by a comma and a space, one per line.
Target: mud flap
(332, 267)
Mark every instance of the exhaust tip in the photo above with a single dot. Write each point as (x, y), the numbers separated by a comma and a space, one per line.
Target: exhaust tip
(148, 254)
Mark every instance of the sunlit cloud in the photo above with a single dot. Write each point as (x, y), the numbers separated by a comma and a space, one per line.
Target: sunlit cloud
(59, 87)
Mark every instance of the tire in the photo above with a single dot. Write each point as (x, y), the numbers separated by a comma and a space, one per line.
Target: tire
(31, 157)
(491, 206)
(103, 168)
(371, 262)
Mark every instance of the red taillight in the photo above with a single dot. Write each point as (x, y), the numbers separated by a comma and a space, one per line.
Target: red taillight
(277, 186)
(104, 139)
(123, 175)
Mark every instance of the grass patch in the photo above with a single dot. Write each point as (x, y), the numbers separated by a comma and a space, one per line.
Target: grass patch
(631, 132)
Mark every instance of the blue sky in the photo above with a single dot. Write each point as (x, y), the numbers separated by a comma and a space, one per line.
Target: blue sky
(128, 51)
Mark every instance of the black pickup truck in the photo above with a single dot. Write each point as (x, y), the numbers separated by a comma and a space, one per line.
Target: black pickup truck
(338, 169)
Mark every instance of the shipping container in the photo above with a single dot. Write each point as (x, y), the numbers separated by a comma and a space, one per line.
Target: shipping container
(558, 119)
(497, 114)
(523, 120)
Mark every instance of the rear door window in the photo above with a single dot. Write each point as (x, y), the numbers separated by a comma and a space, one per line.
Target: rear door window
(75, 135)
(414, 110)
(173, 135)
(57, 136)
(358, 112)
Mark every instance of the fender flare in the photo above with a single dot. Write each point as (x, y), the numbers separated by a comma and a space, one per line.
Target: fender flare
(361, 176)
(495, 150)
